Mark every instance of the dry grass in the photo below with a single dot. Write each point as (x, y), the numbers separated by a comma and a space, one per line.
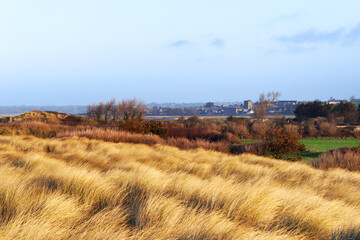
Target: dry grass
(78, 188)
(346, 158)
(111, 135)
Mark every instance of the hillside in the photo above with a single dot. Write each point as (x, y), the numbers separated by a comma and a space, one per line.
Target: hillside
(87, 189)
(33, 115)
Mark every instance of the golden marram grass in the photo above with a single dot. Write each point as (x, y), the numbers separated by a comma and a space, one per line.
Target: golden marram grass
(78, 188)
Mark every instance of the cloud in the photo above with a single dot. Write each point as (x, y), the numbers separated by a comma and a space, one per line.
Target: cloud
(218, 43)
(354, 34)
(297, 49)
(312, 36)
(180, 43)
(289, 49)
(287, 17)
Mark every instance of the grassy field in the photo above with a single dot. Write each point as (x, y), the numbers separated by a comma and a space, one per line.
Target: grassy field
(88, 189)
(316, 146)
(323, 145)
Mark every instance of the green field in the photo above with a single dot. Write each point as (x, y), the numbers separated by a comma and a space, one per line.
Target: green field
(316, 146)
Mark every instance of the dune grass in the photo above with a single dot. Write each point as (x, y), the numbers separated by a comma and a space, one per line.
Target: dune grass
(78, 188)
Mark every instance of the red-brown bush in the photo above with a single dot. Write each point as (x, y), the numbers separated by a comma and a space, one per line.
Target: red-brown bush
(346, 158)
(111, 135)
(259, 129)
(327, 129)
(257, 148)
(282, 142)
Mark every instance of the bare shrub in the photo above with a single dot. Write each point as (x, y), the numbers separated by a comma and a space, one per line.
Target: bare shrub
(346, 158)
(242, 131)
(309, 129)
(91, 109)
(109, 110)
(34, 128)
(259, 129)
(257, 148)
(182, 143)
(131, 109)
(215, 146)
(237, 129)
(292, 127)
(99, 111)
(356, 132)
(232, 138)
(113, 136)
(327, 129)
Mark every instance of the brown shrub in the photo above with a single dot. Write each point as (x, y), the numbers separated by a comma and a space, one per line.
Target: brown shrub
(346, 158)
(34, 128)
(184, 132)
(281, 142)
(110, 135)
(242, 131)
(157, 128)
(292, 127)
(133, 126)
(237, 129)
(309, 129)
(327, 129)
(215, 136)
(72, 120)
(257, 148)
(186, 144)
(259, 129)
(215, 146)
(182, 143)
(232, 138)
(356, 132)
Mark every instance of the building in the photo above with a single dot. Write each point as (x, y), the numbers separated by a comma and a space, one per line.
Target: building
(248, 104)
(335, 101)
(284, 103)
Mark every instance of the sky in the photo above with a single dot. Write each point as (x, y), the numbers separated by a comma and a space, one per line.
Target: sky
(77, 52)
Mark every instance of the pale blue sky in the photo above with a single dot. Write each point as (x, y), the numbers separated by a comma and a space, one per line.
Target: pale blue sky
(81, 51)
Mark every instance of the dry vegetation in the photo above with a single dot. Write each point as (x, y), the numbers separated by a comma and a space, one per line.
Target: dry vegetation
(78, 188)
(111, 135)
(347, 158)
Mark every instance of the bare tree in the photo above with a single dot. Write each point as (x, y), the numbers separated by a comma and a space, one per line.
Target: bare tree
(99, 111)
(108, 109)
(264, 103)
(261, 107)
(273, 96)
(91, 109)
(131, 109)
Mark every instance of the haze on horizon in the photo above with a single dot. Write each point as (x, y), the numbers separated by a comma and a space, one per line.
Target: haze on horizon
(78, 52)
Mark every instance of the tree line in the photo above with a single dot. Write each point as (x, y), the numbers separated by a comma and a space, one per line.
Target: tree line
(344, 111)
(112, 111)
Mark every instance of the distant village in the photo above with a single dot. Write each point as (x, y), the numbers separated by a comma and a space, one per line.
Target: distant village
(283, 107)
